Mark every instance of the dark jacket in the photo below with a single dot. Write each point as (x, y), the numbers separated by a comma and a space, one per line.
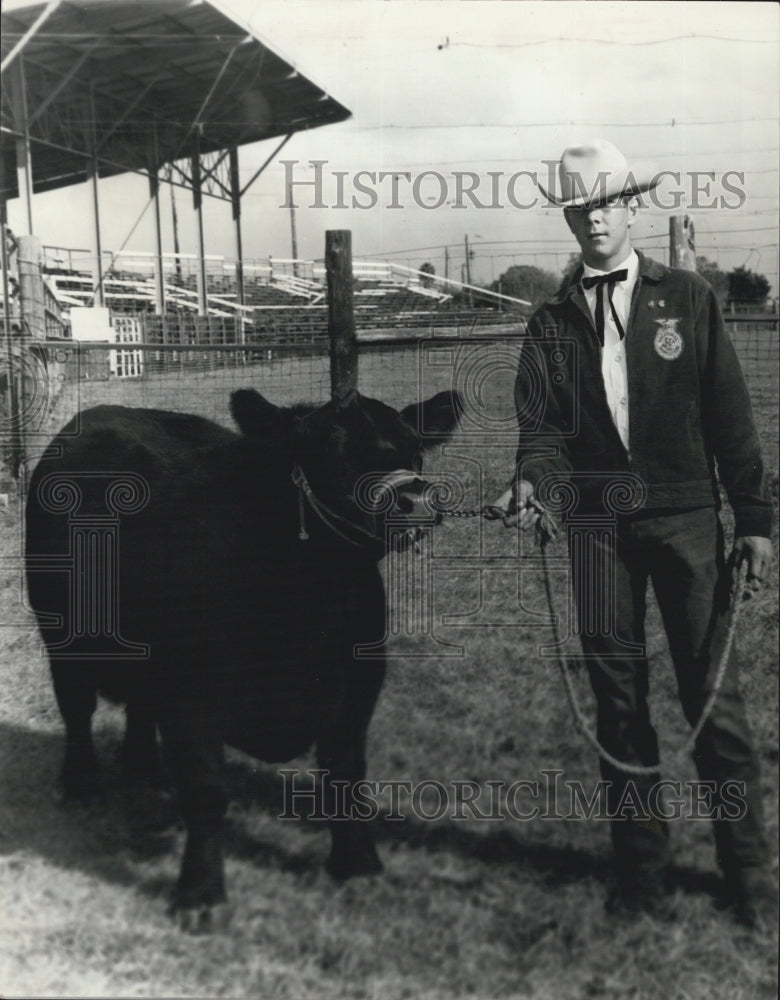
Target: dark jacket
(688, 403)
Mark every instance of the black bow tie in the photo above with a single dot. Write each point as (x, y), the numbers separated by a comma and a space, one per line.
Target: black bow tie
(609, 280)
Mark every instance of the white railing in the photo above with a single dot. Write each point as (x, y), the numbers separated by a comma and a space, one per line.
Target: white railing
(448, 286)
(303, 280)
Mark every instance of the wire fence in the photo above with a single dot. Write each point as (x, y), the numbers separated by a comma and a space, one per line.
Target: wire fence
(756, 343)
(195, 368)
(79, 376)
(184, 380)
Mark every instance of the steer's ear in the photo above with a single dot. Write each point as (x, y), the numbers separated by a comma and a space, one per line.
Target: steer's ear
(254, 414)
(435, 419)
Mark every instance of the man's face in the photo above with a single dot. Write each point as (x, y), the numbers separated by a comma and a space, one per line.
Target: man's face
(602, 231)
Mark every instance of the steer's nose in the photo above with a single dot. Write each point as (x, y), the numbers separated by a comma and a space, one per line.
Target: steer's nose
(414, 503)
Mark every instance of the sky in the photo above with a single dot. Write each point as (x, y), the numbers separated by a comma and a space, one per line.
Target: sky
(493, 88)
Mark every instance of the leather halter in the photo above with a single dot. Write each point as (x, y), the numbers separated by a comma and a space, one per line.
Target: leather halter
(355, 534)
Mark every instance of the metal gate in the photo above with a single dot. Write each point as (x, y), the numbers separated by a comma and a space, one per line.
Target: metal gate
(127, 364)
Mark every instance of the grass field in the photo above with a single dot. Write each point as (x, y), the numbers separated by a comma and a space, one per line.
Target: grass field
(465, 908)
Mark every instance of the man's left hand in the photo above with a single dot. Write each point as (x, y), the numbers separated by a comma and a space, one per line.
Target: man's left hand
(758, 553)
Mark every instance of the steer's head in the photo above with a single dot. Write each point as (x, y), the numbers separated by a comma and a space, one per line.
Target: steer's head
(360, 460)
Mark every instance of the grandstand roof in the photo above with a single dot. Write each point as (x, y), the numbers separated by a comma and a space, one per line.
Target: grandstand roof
(155, 72)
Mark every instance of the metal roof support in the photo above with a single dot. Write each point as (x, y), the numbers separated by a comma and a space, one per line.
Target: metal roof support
(154, 191)
(235, 191)
(137, 100)
(186, 63)
(99, 297)
(31, 31)
(159, 281)
(52, 96)
(210, 177)
(175, 220)
(259, 170)
(197, 202)
(42, 186)
(23, 155)
(197, 124)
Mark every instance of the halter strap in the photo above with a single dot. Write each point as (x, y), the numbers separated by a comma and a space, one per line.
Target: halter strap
(328, 517)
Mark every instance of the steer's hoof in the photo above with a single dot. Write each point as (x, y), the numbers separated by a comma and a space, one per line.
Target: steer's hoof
(203, 919)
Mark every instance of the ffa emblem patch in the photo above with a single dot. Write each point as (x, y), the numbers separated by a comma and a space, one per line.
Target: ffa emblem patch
(668, 341)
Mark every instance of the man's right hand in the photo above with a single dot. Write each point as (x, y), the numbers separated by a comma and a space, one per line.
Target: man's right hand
(516, 504)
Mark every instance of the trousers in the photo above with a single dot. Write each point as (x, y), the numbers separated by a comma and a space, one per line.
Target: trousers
(682, 554)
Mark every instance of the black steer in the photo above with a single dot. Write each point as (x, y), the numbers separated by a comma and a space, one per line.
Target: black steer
(167, 570)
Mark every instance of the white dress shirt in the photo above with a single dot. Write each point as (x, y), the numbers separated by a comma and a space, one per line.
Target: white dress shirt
(613, 354)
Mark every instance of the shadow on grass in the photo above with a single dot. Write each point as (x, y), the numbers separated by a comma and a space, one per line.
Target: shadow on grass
(94, 838)
(557, 864)
(105, 837)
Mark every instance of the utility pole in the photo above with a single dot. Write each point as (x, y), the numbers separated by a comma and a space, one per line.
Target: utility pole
(292, 229)
(468, 269)
(682, 244)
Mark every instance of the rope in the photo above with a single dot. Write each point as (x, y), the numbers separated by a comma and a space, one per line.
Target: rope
(303, 534)
(579, 716)
(546, 531)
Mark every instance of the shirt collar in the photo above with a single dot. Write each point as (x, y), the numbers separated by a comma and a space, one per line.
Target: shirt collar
(649, 270)
(630, 264)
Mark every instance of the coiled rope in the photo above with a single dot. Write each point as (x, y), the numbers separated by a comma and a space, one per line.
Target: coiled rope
(547, 531)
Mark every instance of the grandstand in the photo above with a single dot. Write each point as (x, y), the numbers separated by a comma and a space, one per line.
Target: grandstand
(283, 298)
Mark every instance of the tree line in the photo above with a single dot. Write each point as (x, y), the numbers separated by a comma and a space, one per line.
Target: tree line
(738, 288)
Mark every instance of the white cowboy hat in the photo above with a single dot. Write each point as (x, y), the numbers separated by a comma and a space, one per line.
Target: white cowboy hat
(594, 172)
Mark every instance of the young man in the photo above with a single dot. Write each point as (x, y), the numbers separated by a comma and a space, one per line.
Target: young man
(630, 390)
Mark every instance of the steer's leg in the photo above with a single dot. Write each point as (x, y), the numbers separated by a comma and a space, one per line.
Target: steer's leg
(141, 758)
(77, 697)
(194, 748)
(341, 751)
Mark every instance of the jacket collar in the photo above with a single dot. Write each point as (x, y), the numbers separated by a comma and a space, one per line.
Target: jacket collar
(649, 270)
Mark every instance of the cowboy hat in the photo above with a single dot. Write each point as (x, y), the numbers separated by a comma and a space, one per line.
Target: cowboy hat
(594, 172)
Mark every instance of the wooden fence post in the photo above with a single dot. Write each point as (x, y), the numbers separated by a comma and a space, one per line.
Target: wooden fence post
(28, 370)
(682, 245)
(341, 315)
(11, 443)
